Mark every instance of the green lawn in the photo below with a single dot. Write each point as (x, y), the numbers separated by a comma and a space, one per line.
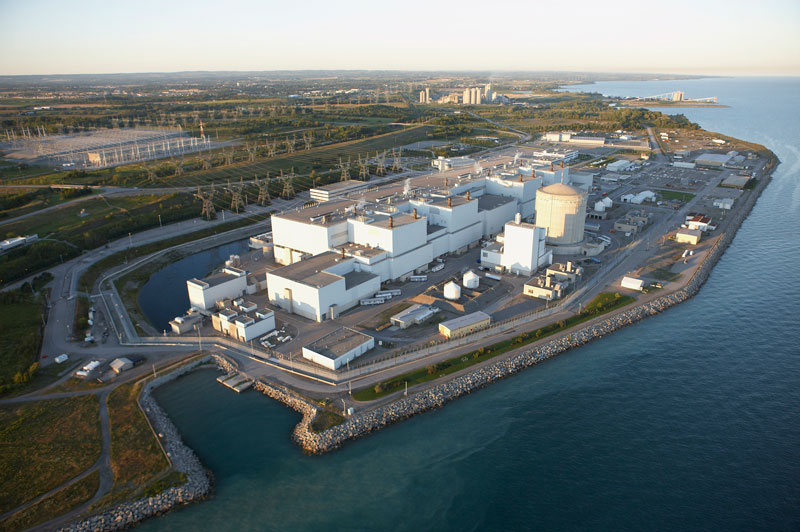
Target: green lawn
(674, 195)
(44, 444)
(604, 302)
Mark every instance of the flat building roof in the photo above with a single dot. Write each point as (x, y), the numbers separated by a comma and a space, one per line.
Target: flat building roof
(338, 343)
(465, 321)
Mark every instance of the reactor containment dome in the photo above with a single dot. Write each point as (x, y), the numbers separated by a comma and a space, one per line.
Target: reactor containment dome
(561, 210)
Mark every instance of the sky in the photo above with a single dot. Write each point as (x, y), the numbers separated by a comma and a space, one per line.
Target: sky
(713, 37)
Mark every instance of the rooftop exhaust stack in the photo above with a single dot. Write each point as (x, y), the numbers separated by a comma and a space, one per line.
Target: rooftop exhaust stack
(391, 222)
(551, 167)
(450, 201)
(414, 212)
(518, 218)
(468, 198)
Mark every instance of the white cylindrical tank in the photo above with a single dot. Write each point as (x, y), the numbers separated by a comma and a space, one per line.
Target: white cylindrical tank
(561, 210)
(471, 280)
(452, 291)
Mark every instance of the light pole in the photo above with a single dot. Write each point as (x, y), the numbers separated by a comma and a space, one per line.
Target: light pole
(130, 241)
(199, 338)
(159, 222)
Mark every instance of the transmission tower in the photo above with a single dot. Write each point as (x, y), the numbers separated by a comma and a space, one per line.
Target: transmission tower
(288, 188)
(208, 203)
(396, 153)
(179, 167)
(272, 147)
(381, 157)
(307, 138)
(290, 144)
(206, 162)
(251, 152)
(236, 196)
(229, 157)
(345, 169)
(263, 190)
(363, 168)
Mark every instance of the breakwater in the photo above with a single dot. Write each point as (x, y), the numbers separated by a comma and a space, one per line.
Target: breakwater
(368, 421)
(181, 458)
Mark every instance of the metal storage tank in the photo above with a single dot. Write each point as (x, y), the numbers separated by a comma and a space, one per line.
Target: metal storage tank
(561, 210)
(471, 280)
(452, 291)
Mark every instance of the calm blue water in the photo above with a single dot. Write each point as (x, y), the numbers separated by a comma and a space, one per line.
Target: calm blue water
(686, 421)
(164, 295)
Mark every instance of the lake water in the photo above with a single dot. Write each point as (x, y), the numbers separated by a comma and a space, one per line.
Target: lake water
(685, 421)
(164, 295)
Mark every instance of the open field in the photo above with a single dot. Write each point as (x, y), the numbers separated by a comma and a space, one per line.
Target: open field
(136, 457)
(45, 444)
(674, 195)
(20, 339)
(57, 504)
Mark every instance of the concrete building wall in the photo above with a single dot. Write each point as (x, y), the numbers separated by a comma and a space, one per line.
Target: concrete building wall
(524, 248)
(340, 361)
(254, 330)
(204, 298)
(495, 219)
(305, 237)
(294, 297)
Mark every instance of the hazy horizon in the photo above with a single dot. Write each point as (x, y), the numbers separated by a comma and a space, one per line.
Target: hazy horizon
(93, 37)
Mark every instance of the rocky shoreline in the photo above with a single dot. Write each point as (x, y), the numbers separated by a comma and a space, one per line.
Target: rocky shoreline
(198, 482)
(371, 420)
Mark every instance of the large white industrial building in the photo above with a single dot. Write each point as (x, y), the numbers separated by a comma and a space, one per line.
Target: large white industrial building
(338, 252)
(230, 283)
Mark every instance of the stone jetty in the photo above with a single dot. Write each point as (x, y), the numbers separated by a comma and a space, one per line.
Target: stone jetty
(182, 458)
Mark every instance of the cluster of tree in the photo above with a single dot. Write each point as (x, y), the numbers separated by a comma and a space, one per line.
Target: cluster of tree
(21, 262)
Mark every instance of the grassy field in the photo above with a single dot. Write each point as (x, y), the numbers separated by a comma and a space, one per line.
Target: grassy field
(603, 303)
(65, 223)
(57, 504)
(319, 159)
(136, 457)
(16, 202)
(20, 338)
(324, 420)
(674, 195)
(44, 444)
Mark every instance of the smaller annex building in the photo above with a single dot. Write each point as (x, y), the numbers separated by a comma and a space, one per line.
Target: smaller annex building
(464, 325)
(688, 236)
(338, 347)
